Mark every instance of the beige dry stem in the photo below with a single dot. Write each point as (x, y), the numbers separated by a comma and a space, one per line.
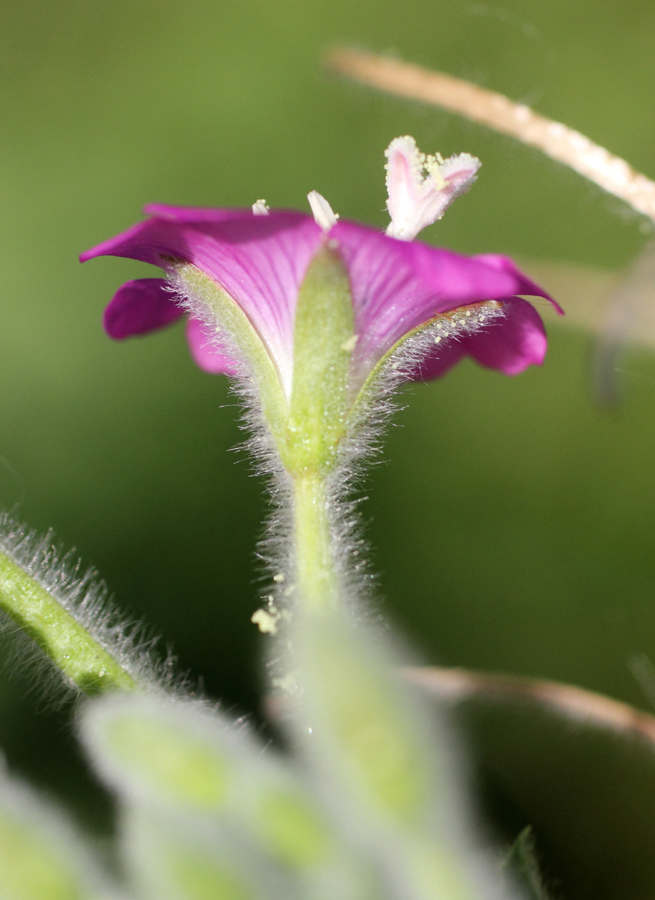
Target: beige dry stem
(561, 143)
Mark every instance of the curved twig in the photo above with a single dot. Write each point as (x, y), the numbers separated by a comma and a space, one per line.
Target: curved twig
(561, 143)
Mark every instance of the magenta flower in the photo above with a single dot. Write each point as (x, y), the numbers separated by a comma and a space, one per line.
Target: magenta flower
(398, 286)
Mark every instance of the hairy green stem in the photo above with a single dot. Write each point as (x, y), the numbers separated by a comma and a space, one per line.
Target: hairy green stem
(316, 576)
(81, 659)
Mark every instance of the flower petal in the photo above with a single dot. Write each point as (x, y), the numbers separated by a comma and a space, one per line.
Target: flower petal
(399, 285)
(509, 344)
(139, 307)
(259, 261)
(206, 351)
(199, 214)
(526, 285)
(421, 187)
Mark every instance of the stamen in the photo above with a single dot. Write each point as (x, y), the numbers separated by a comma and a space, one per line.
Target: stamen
(323, 214)
(420, 187)
(260, 208)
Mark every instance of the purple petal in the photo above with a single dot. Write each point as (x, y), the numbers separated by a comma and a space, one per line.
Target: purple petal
(259, 261)
(199, 214)
(206, 352)
(139, 307)
(399, 285)
(510, 344)
(526, 285)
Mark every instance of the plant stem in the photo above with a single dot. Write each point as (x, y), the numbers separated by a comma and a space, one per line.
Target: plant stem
(316, 575)
(82, 659)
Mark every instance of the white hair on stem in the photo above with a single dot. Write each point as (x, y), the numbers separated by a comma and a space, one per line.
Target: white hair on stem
(86, 599)
(273, 548)
(361, 442)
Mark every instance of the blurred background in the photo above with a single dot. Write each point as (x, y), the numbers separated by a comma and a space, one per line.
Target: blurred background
(511, 519)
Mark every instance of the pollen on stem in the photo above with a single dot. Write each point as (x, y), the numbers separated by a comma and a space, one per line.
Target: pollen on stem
(266, 622)
(350, 343)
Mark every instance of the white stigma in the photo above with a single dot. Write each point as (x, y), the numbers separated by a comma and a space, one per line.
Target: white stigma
(260, 208)
(323, 214)
(420, 188)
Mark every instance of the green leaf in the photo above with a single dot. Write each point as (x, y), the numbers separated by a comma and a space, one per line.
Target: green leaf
(387, 770)
(363, 733)
(172, 860)
(170, 755)
(290, 828)
(522, 861)
(70, 646)
(40, 856)
(159, 752)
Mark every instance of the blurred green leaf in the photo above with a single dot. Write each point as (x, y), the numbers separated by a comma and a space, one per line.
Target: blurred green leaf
(522, 861)
(166, 755)
(168, 859)
(40, 856)
(169, 760)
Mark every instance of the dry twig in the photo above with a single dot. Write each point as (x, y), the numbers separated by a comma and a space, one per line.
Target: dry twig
(561, 143)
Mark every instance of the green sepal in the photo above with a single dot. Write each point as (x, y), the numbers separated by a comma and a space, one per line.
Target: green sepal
(194, 284)
(70, 646)
(308, 426)
(324, 340)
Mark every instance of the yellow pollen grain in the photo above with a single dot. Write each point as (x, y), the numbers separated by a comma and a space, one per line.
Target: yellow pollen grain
(349, 344)
(266, 623)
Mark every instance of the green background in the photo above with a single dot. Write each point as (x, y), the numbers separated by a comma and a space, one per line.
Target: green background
(511, 519)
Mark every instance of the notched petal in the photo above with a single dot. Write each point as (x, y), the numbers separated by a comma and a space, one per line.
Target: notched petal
(421, 187)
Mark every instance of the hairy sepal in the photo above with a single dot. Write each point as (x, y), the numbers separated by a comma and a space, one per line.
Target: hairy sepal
(402, 360)
(261, 382)
(324, 340)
